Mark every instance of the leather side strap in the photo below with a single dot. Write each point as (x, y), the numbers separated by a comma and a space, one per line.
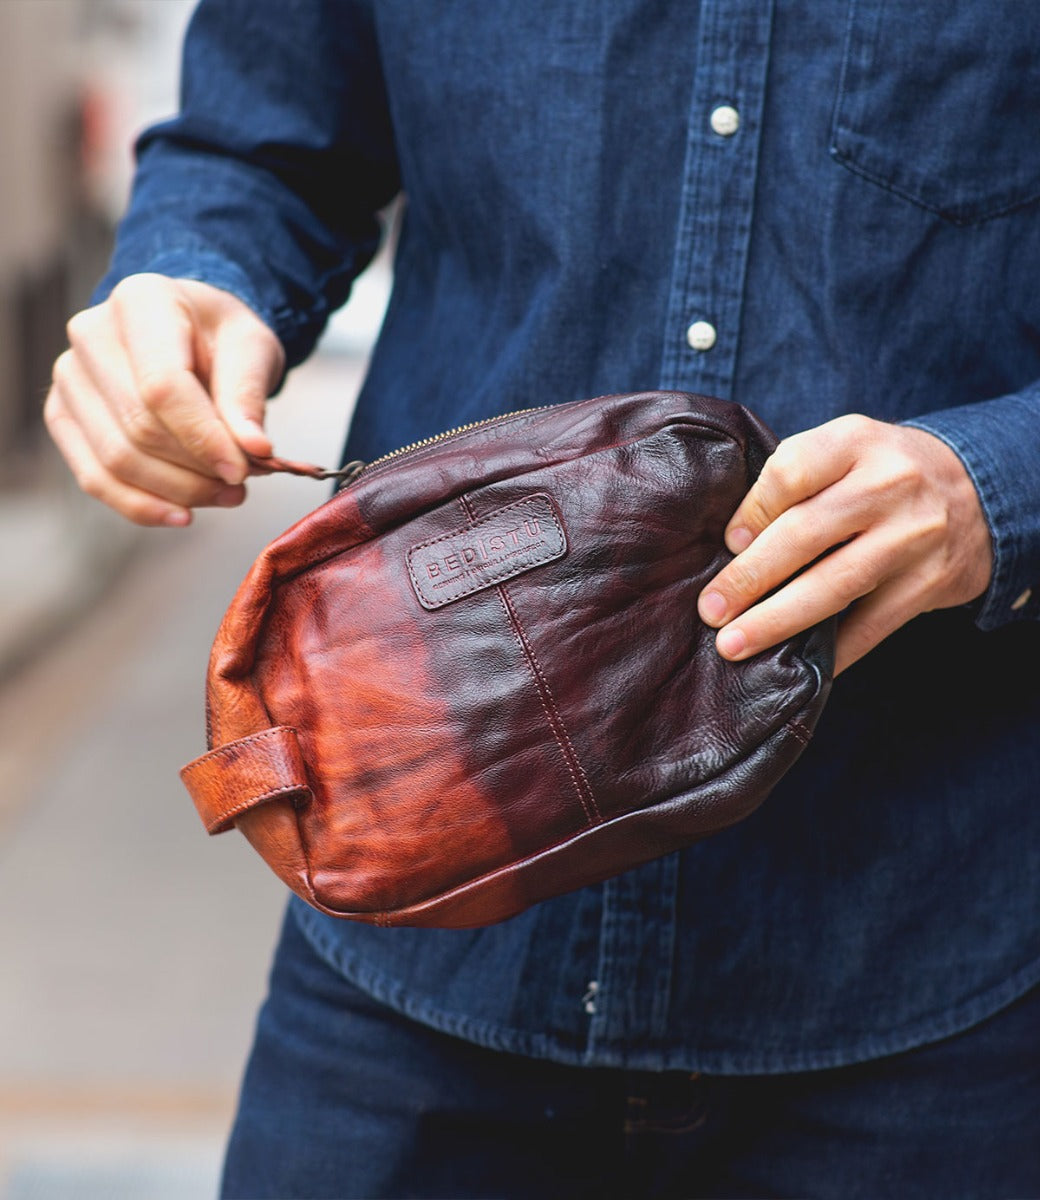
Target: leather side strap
(242, 774)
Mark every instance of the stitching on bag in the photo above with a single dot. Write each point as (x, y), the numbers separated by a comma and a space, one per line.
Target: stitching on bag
(508, 420)
(800, 732)
(231, 747)
(507, 571)
(588, 801)
(491, 580)
(512, 866)
(549, 707)
(473, 520)
(695, 421)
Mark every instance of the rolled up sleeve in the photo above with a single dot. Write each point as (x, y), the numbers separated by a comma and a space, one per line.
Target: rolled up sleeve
(268, 181)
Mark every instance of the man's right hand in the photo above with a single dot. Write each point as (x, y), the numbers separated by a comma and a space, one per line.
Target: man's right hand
(160, 396)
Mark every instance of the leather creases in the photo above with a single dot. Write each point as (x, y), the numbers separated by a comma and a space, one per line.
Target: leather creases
(475, 678)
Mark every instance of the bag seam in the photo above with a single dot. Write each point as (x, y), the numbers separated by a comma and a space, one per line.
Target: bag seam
(548, 702)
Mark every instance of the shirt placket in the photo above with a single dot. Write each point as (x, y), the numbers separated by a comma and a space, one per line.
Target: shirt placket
(628, 1001)
(718, 191)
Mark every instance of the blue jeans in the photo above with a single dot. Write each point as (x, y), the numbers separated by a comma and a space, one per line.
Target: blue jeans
(345, 1098)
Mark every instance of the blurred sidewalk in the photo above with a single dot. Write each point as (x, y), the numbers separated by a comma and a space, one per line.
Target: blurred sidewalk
(58, 556)
(133, 947)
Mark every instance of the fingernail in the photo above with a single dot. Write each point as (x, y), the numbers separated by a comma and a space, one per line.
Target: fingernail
(253, 432)
(229, 472)
(177, 518)
(713, 606)
(731, 643)
(738, 539)
(229, 497)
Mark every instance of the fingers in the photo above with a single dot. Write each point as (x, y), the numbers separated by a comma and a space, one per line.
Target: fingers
(161, 396)
(159, 337)
(879, 609)
(146, 490)
(97, 481)
(114, 450)
(819, 530)
(99, 366)
(874, 618)
(784, 547)
(247, 362)
(799, 468)
(826, 588)
(858, 517)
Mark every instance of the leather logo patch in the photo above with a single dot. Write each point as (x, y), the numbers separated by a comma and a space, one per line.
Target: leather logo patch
(494, 548)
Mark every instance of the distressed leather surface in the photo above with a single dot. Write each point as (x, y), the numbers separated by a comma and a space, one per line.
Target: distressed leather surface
(489, 656)
(242, 774)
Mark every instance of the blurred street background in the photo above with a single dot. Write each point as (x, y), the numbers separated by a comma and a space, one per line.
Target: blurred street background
(133, 949)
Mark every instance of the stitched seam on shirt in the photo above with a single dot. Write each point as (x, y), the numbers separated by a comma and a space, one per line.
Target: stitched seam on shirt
(552, 713)
(958, 219)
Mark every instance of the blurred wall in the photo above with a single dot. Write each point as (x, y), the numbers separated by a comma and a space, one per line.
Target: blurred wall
(78, 80)
(38, 91)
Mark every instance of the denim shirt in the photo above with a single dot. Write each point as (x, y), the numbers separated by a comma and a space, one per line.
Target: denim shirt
(812, 209)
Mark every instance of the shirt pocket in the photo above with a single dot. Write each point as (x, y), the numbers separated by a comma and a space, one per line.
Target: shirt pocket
(940, 103)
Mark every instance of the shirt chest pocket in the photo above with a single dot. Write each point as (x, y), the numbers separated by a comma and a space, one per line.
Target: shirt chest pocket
(940, 103)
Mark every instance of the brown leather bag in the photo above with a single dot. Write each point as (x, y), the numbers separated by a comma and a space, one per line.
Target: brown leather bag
(476, 678)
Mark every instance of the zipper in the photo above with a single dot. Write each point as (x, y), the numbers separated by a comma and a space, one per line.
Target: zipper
(346, 475)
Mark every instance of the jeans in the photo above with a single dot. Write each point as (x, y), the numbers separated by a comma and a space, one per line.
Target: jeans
(345, 1098)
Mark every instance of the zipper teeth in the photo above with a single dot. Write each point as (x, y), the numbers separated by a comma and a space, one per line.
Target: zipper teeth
(448, 433)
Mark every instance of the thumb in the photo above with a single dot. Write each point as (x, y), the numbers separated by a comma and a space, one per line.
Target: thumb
(246, 366)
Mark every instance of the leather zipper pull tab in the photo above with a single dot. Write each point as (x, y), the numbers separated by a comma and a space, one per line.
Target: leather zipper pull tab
(271, 466)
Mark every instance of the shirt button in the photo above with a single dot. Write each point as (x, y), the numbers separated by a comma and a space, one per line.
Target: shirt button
(588, 1001)
(725, 120)
(701, 335)
(1022, 600)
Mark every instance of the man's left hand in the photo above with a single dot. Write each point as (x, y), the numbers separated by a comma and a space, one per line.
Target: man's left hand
(895, 517)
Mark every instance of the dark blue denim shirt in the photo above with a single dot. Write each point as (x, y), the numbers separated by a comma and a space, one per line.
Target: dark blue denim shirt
(844, 199)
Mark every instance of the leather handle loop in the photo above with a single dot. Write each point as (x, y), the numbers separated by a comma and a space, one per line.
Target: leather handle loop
(238, 776)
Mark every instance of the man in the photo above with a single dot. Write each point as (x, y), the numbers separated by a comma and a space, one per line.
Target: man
(819, 213)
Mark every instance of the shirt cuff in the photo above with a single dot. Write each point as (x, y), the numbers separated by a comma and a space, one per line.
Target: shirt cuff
(998, 441)
(203, 265)
(196, 262)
